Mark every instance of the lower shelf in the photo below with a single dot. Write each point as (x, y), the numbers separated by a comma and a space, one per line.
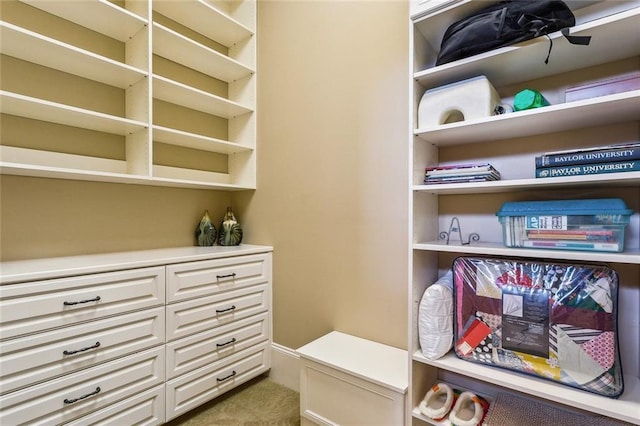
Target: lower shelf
(207, 181)
(498, 249)
(444, 422)
(625, 408)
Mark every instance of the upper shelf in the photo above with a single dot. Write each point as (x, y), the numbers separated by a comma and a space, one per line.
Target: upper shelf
(102, 16)
(205, 19)
(40, 109)
(178, 48)
(195, 141)
(512, 64)
(33, 47)
(181, 94)
(620, 107)
(513, 185)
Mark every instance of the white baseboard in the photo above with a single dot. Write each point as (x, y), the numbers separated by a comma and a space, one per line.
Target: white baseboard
(285, 367)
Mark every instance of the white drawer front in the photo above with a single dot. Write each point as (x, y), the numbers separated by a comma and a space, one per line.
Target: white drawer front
(70, 397)
(331, 396)
(193, 316)
(144, 409)
(39, 357)
(196, 387)
(41, 305)
(197, 279)
(202, 349)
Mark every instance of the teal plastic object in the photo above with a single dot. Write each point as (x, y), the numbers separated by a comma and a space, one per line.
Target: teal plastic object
(529, 99)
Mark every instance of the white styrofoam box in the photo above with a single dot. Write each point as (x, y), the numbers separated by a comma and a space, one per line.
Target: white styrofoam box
(464, 100)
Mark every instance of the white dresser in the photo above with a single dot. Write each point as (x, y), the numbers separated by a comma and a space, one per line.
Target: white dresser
(136, 337)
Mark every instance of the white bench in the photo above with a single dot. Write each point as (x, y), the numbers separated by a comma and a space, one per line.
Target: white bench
(347, 380)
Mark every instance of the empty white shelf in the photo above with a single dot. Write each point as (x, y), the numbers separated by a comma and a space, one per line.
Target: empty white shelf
(181, 94)
(102, 16)
(205, 19)
(33, 47)
(39, 109)
(178, 48)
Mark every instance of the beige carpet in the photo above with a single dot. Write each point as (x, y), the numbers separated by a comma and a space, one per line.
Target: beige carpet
(259, 402)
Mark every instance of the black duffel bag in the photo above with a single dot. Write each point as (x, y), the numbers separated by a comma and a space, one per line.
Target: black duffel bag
(506, 23)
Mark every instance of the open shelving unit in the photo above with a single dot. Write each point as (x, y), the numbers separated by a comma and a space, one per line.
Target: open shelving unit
(163, 81)
(510, 142)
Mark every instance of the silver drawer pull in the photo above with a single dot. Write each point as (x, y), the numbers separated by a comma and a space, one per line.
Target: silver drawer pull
(233, 373)
(219, 311)
(97, 345)
(71, 401)
(226, 276)
(220, 345)
(95, 299)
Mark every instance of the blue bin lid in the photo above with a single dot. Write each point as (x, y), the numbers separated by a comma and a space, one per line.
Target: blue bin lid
(601, 206)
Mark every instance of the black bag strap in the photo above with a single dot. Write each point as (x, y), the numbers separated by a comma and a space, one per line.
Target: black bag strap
(573, 39)
(538, 26)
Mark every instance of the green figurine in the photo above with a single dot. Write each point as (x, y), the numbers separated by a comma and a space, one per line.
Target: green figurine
(205, 231)
(230, 230)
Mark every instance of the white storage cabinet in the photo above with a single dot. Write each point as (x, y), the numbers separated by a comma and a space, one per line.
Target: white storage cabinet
(218, 327)
(84, 339)
(510, 142)
(71, 346)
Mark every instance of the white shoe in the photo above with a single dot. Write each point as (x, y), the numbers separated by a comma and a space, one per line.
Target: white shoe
(469, 410)
(438, 401)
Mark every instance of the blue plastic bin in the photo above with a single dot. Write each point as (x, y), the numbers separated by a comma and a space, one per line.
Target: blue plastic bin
(589, 224)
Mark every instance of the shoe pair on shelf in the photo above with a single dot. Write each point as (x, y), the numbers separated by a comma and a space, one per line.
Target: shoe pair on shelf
(462, 408)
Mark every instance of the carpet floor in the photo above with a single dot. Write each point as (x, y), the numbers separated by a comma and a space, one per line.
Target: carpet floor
(259, 402)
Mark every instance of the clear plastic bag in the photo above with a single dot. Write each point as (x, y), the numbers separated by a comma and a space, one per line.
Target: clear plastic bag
(557, 321)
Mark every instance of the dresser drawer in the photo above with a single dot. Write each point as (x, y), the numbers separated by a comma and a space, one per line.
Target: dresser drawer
(201, 349)
(193, 316)
(197, 279)
(70, 397)
(144, 409)
(35, 306)
(197, 387)
(39, 357)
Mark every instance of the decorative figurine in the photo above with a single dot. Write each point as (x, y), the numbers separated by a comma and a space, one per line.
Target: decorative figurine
(205, 231)
(230, 230)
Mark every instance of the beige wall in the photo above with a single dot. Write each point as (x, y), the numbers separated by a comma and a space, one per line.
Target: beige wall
(332, 167)
(51, 217)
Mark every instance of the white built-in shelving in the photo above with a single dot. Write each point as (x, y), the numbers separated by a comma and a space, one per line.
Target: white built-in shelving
(190, 53)
(623, 107)
(510, 142)
(40, 109)
(46, 51)
(181, 94)
(101, 16)
(207, 19)
(112, 87)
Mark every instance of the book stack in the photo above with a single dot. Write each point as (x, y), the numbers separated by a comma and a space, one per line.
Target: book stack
(589, 161)
(578, 238)
(461, 173)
